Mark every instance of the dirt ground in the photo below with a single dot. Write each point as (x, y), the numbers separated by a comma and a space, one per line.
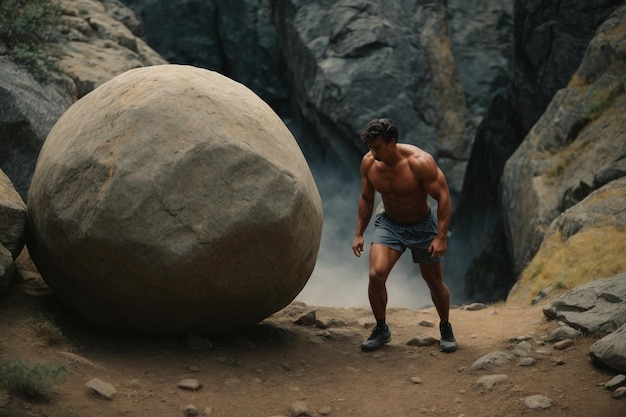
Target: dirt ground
(279, 367)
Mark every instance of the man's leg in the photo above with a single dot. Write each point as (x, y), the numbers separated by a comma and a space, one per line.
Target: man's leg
(382, 259)
(433, 275)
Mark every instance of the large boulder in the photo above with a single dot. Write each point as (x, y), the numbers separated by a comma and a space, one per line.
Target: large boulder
(173, 199)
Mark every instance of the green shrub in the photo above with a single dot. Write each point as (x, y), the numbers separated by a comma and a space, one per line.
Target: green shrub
(33, 381)
(25, 27)
(47, 330)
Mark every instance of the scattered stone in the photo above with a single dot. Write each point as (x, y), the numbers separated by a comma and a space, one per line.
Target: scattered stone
(488, 381)
(616, 382)
(563, 344)
(425, 323)
(194, 369)
(523, 349)
(189, 384)
(422, 341)
(563, 333)
(307, 319)
(495, 358)
(528, 361)
(475, 307)
(535, 402)
(523, 338)
(330, 322)
(190, 410)
(299, 408)
(101, 389)
(325, 411)
(619, 393)
(416, 380)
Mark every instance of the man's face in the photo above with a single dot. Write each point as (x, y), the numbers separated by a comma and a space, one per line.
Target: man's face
(379, 149)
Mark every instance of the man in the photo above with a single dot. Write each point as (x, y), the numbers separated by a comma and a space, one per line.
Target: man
(405, 176)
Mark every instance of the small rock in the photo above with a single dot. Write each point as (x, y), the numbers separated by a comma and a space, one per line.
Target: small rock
(425, 323)
(307, 319)
(563, 344)
(488, 381)
(101, 388)
(299, 408)
(475, 307)
(416, 380)
(619, 393)
(325, 411)
(191, 410)
(563, 333)
(189, 384)
(421, 341)
(535, 402)
(616, 382)
(528, 361)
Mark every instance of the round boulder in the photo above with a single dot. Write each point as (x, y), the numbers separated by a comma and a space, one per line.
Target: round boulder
(173, 199)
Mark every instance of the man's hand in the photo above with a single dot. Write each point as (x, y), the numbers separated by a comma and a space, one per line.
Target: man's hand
(438, 247)
(357, 245)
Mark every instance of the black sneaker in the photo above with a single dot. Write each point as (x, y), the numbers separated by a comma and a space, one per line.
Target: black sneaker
(448, 342)
(380, 336)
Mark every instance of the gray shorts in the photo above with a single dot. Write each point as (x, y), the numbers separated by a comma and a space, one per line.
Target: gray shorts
(416, 237)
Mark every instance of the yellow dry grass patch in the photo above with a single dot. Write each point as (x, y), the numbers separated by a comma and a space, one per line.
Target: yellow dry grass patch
(562, 265)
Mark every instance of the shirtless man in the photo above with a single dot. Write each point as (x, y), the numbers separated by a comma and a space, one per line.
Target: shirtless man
(405, 176)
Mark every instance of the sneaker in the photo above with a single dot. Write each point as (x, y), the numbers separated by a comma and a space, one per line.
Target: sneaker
(448, 342)
(380, 336)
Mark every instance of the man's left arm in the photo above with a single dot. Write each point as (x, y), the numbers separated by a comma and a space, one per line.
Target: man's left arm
(438, 189)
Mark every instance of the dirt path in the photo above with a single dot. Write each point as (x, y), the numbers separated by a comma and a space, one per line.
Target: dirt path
(279, 366)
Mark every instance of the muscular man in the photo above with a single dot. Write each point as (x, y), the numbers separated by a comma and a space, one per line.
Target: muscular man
(405, 176)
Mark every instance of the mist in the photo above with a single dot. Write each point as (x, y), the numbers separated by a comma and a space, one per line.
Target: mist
(339, 278)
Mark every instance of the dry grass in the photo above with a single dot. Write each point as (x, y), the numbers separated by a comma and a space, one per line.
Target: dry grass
(46, 330)
(562, 265)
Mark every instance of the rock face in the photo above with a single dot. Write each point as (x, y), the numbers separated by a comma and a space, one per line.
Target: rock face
(172, 199)
(12, 226)
(577, 146)
(94, 44)
(549, 43)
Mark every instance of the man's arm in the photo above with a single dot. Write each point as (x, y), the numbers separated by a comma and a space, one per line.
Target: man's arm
(437, 187)
(365, 208)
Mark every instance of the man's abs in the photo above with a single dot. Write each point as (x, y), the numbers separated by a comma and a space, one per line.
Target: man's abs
(405, 212)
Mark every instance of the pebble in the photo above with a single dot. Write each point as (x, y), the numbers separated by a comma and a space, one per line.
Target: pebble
(101, 389)
(475, 307)
(535, 402)
(616, 382)
(528, 361)
(191, 410)
(619, 393)
(299, 408)
(489, 381)
(189, 384)
(563, 344)
(425, 323)
(416, 380)
(422, 341)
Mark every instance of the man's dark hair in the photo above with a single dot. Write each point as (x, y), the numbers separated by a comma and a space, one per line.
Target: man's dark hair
(384, 128)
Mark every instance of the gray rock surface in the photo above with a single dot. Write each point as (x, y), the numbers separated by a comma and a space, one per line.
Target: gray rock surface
(596, 307)
(611, 350)
(12, 217)
(28, 111)
(173, 199)
(575, 148)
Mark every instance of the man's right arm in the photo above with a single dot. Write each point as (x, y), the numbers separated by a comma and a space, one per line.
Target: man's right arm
(365, 208)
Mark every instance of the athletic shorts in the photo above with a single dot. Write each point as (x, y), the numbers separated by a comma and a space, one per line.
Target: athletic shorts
(416, 237)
